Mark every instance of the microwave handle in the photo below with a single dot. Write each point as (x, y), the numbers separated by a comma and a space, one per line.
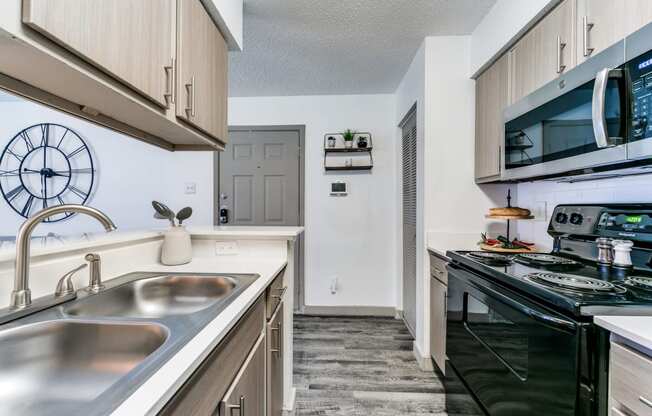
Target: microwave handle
(598, 106)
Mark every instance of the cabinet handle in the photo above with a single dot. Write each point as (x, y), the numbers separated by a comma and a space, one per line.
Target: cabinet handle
(279, 338)
(282, 290)
(240, 407)
(169, 87)
(586, 28)
(445, 304)
(560, 48)
(190, 109)
(645, 401)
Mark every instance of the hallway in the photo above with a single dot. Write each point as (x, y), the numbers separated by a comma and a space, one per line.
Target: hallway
(365, 366)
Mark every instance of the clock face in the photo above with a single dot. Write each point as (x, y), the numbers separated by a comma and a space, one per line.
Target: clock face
(46, 165)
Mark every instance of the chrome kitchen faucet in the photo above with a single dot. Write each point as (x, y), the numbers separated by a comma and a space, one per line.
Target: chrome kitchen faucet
(21, 297)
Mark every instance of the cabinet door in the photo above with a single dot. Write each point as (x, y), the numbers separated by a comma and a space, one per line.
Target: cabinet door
(130, 40)
(438, 298)
(638, 13)
(491, 99)
(247, 393)
(275, 363)
(600, 24)
(202, 70)
(545, 52)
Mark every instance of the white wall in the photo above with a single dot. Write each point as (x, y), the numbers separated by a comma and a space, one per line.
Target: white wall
(410, 91)
(625, 189)
(351, 238)
(504, 22)
(129, 175)
(229, 15)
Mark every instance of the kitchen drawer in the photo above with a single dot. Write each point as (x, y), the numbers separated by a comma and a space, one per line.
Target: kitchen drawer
(631, 380)
(438, 269)
(274, 294)
(246, 396)
(203, 391)
(275, 353)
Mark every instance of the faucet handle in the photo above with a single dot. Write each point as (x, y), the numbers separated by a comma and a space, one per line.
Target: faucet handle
(95, 272)
(65, 286)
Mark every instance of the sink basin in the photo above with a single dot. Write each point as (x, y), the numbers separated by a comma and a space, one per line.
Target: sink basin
(156, 297)
(54, 367)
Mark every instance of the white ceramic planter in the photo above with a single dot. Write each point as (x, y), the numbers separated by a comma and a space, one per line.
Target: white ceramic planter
(177, 248)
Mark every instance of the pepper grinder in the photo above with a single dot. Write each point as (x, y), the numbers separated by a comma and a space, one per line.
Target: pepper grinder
(622, 253)
(605, 251)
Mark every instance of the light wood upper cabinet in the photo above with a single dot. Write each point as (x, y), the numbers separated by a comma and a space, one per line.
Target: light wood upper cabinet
(129, 40)
(638, 13)
(545, 52)
(491, 90)
(202, 70)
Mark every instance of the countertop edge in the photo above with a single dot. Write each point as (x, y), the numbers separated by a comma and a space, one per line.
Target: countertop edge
(145, 400)
(637, 329)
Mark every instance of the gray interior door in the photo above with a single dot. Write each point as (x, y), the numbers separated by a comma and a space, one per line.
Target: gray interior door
(261, 183)
(259, 178)
(409, 157)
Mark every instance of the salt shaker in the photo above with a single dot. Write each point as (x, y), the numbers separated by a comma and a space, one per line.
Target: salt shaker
(622, 253)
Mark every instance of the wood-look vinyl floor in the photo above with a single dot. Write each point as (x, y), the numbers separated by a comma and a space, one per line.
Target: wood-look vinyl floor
(365, 366)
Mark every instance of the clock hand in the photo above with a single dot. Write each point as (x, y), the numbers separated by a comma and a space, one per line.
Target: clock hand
(25, 170)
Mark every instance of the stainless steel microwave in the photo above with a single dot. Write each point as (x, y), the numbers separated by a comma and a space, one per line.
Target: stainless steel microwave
(596, 117)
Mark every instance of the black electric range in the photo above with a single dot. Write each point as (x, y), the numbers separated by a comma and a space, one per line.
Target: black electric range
(520, 330)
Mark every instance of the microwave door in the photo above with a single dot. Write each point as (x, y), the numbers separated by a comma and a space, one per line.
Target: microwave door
(639, 71)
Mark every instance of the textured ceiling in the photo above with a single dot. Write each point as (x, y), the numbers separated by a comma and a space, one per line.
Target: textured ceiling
(303, 47)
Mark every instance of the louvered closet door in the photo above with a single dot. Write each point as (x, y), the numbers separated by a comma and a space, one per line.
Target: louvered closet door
(409, 129)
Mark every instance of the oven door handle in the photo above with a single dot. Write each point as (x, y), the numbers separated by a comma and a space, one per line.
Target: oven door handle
(546, 319)
(598, 107)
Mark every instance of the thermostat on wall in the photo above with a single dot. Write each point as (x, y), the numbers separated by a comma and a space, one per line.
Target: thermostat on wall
(339, 188)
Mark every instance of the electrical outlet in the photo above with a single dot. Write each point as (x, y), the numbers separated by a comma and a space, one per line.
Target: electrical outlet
(190, 188)
(226, 248)
(540, 211)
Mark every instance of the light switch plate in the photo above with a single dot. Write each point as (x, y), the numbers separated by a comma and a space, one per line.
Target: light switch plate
(226, 248)
(190, 188)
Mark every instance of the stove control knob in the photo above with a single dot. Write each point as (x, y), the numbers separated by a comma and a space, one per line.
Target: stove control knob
(576, 219)
(561, 218)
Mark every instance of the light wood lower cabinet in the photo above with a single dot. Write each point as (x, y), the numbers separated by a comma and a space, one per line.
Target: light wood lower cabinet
(438, 307)
(491, 95)
(202, 394)
(630, 385)
(246, 396)
(131, 42)
(275, 353)
(202, 70)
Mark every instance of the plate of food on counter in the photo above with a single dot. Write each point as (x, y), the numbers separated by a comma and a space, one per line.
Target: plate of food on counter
(502, 244)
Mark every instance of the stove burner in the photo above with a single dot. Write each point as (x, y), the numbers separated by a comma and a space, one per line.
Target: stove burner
(490, 257)
(641, 282)
(573, 282)
(544, 260)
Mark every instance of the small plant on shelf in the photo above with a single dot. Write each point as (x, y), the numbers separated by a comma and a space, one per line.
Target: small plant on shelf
(348, 137)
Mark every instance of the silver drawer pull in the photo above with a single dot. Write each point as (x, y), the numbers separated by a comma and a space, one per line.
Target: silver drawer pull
(560, 48)
(645, 401)
(240, 407)
(190, 109)
(279, 336)
(282, 290)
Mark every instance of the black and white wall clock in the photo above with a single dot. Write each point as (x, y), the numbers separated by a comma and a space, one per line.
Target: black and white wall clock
(46, 165)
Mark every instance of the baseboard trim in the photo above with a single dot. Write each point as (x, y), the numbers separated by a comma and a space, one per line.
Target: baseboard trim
(399, 314)
(425, 362)
(384, 311)
(290, 410)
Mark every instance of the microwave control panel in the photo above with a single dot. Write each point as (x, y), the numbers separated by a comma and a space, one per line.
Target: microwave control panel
(640, 72)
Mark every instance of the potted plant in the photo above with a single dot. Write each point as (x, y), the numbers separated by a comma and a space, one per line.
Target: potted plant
(348, 136)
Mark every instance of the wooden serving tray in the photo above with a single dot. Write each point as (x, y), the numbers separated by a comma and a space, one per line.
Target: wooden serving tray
(487, 247)
(510, 217)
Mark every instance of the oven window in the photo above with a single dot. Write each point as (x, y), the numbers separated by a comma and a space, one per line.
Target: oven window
(562, 127)
(504, 337)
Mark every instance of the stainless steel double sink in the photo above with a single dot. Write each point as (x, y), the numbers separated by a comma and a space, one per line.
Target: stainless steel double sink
(86, 356)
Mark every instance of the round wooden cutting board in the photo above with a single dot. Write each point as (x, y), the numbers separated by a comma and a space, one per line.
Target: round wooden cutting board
(487, 247)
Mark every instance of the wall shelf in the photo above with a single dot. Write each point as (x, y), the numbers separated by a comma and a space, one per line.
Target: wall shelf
(338, 157)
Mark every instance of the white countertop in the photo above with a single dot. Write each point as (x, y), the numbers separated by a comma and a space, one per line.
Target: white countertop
(152, 395)
(636, 329)
(441, 242)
